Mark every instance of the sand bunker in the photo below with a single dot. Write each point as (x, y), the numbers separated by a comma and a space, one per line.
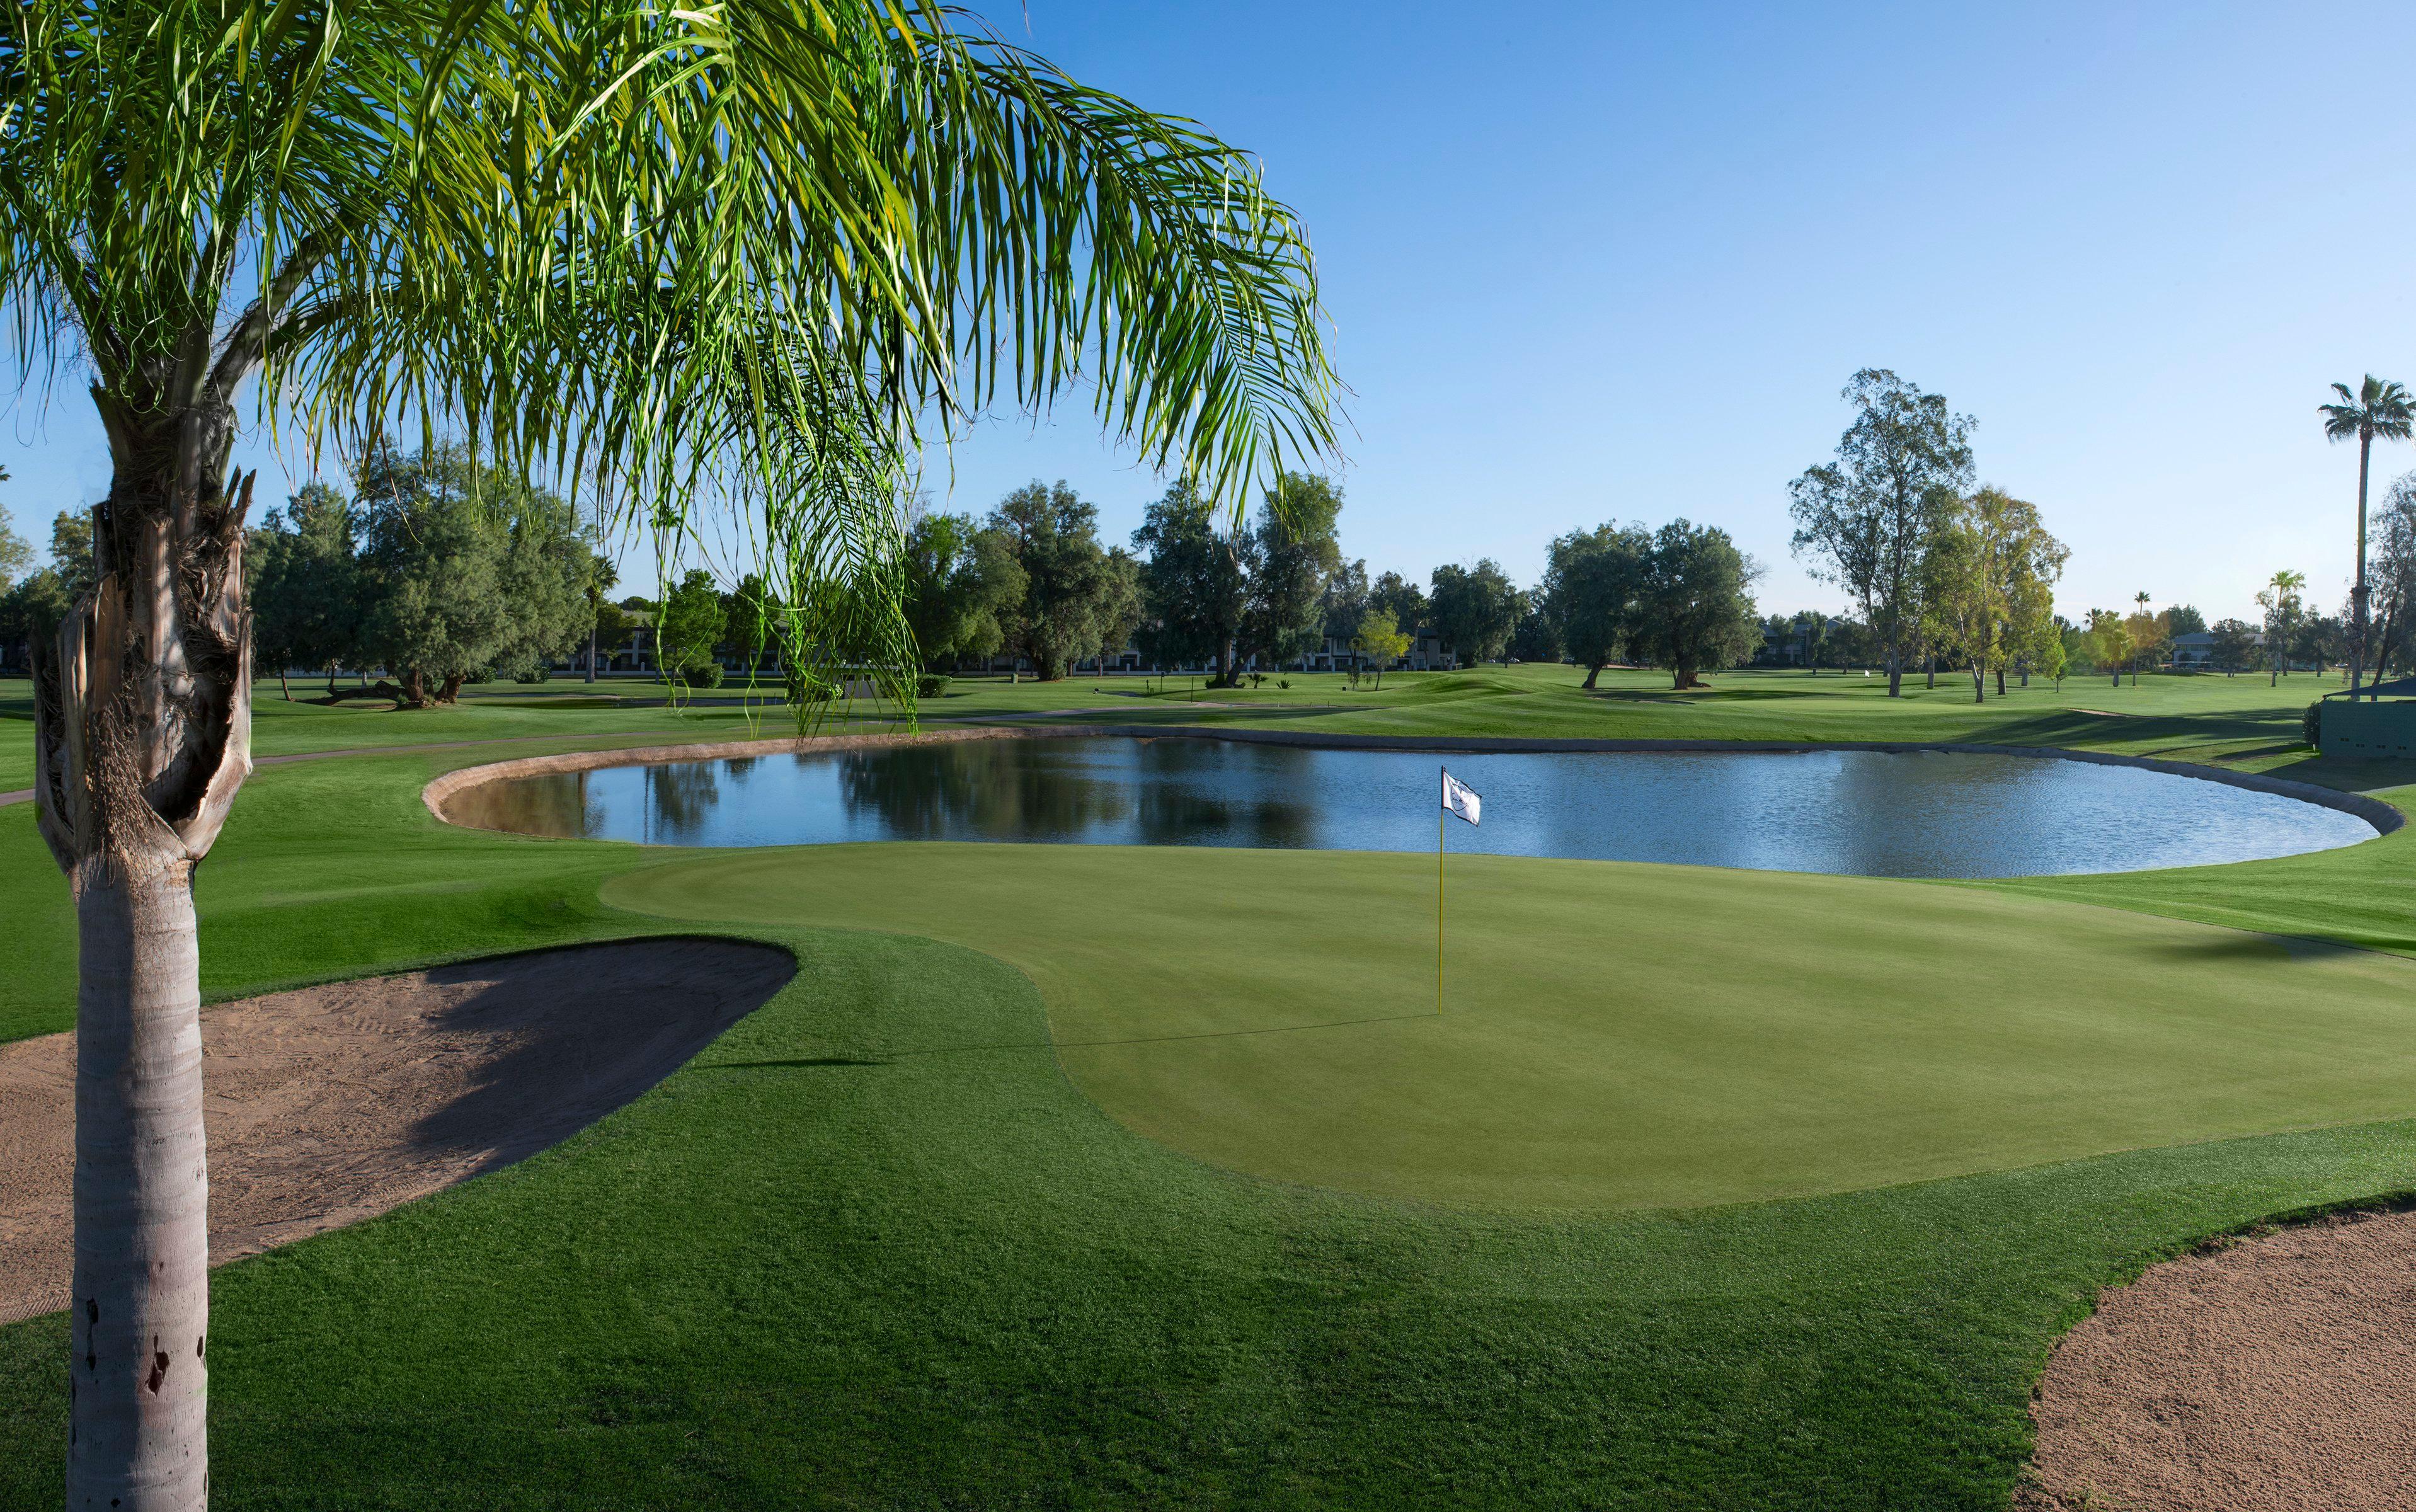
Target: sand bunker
(332, 1104)
(2279, 1372)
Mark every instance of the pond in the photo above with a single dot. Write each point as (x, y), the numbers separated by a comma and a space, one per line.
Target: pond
(1926, 815)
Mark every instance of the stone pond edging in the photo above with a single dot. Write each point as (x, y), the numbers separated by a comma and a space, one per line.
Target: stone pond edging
(2382, 816)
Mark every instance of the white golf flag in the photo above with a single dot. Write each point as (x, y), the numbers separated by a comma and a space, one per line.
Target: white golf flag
(1459, 798)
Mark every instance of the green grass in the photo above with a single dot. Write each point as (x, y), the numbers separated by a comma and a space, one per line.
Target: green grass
(882, 1247)
(839, 1262)
(1616, 1035)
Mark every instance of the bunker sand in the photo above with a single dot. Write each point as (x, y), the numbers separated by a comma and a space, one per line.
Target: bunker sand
(2277, 1373)
(332, 1104)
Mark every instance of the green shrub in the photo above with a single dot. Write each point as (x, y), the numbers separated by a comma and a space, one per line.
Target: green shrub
(2311, 724)
(534, 674)
(930, 685)
(1283, 682)
(708, 676)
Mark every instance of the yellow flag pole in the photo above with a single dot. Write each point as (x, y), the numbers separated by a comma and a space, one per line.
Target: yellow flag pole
(1440, 818)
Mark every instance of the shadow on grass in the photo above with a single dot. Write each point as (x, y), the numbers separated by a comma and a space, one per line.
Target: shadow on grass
(2348, 774)
(2250, 947)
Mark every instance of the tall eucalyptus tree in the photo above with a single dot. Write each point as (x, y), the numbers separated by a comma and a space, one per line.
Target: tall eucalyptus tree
(2378, 409)
(727, 251)
(1868, 520)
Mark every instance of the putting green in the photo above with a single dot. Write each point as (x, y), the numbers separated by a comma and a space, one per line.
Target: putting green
(1614, 1036)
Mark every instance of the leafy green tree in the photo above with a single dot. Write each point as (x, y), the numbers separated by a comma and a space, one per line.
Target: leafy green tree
(1591, 581)
(750, 618)
(1474, 610)
(694, 252)
(2393, 600)
(2185, 619)
(1409, 603)
(2378, 410)
(611, 631)
(306, 584)
(1344, 604)
(1293, 553)
(16, 557)
(1192, 583)
(1993, 569)
(956, 584)
(2109, 643)
(1537, 637)
(71, 553)
(2234, 643)
(2282, 606)
(1867, 521)
(1695, 608)
(1380, 641)
(1054, 537)
(691, 628)
(601, 633)
(466, 571)
(2052, 660)
(33, 610)
(1123, 608)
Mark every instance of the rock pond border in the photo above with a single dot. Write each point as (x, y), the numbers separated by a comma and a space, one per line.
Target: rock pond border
(2382, 816)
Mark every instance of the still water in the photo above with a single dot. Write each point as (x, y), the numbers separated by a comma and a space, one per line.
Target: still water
(1865, 812)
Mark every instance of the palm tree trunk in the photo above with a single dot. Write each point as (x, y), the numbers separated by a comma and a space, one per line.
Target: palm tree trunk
(591, 650)
(142, 1301)
(2357, 590)
(143, 735)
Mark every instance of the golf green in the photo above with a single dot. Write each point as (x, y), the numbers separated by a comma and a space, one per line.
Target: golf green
(1612, 1036)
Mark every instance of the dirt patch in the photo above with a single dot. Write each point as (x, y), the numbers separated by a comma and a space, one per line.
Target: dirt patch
(2277, 1373)
(332, 1104)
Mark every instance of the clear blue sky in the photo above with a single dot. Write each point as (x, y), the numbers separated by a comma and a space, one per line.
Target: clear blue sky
(1615, 262)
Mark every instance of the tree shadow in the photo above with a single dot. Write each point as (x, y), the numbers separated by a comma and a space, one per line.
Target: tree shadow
(580, 1033)
(2243, 945)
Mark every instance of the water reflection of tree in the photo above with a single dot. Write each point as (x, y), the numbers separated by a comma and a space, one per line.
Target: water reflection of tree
(1216, 793)
(680, 797)
(990, 789)
(553, 803)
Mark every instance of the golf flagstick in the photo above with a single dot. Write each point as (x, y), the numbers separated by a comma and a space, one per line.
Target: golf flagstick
(1461, 799)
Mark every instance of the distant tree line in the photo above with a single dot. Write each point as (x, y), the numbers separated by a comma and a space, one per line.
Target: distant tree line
(1032, 580)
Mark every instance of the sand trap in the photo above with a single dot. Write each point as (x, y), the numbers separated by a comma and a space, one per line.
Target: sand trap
(2279, 1372)
(332, 1104)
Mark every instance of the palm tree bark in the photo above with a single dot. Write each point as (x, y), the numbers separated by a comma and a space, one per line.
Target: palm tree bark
(143, 722)
(2357, 590)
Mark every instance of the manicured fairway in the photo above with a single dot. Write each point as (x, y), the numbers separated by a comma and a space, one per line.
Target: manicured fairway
(1616, 1035)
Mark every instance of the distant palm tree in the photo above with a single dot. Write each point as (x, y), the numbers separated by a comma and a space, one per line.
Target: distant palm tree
(2136, 644)
(2280, 601)
(2377, 409)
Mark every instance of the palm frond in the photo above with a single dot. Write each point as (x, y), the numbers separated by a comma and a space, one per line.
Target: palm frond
(731, 252)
